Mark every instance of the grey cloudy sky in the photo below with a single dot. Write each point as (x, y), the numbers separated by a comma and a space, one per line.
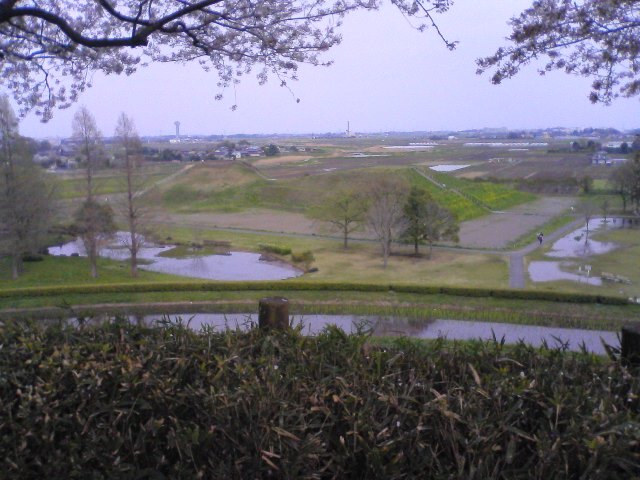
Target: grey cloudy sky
(386, 77)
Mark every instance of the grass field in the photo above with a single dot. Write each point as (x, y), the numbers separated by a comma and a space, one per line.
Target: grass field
(234, 188)
(73, 184)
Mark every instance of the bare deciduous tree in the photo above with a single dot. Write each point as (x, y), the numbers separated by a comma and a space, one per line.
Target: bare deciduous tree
(129, 142)
(94, 225)
(44, 40)
(345, 210)
(588, 209)
(385, 216)
(24, 198)
(89, 139)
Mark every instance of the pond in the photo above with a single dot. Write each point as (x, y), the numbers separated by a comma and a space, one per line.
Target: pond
(579, 244)
(448, 168)
(394, 326)
(231, 266)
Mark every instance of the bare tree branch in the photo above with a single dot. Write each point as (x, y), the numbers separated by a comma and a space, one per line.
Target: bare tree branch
(67, 42)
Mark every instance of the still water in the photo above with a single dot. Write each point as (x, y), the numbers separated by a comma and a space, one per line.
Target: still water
(576, 245)
(389, 326)
(231, 266)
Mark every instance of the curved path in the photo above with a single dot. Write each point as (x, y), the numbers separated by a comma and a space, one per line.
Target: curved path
(491, 234)
(517, 278)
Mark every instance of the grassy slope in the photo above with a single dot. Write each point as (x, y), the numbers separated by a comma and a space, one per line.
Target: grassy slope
(106, 182)
(72, 271)
(234, 188)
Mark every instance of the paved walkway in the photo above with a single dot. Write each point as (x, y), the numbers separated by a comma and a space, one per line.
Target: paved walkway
(517, 277)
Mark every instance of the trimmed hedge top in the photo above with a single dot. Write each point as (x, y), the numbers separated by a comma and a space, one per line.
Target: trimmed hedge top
(296, 285)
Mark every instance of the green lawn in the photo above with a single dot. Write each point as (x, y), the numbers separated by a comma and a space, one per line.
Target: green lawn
(72, 271)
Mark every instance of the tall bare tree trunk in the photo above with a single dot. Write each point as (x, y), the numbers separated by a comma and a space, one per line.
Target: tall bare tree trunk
(130, 143)
(86, 131)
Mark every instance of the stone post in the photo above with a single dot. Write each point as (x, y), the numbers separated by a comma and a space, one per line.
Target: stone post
(630, 344)
(273, 312)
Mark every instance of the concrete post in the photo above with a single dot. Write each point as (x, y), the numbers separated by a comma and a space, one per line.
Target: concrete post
(630, 344)
(273, 312)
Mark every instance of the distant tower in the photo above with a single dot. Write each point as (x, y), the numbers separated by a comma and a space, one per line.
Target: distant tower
(177, 124)
(348, 130)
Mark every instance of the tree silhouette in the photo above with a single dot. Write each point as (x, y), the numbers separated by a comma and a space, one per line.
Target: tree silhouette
(592, 38)
(44, 40)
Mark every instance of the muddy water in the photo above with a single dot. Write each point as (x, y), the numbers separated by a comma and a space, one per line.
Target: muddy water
(450, 329)
(579, 244)
(552, 271)
(232, 266)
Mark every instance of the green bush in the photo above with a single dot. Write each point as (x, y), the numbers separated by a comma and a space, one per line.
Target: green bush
(32, 257)
(275, 249)
(121, 401)
(306, 258)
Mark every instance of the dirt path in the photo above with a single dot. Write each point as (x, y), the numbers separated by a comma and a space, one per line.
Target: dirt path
(491, 234)
(498, 230)
(495, 231)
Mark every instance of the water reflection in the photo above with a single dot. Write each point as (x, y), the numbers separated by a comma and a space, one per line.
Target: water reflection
(397, 326)
(577, 244)
(552, 271)
(233, 266)
(580, 242)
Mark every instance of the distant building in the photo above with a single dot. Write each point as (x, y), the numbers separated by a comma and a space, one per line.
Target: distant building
(600, 158)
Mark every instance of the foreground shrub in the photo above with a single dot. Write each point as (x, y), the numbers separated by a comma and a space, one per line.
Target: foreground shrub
(122, 401)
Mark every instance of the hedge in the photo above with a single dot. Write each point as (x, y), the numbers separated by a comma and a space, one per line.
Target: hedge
(296, 285)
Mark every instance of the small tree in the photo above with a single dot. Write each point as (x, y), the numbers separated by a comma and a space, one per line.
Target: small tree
(271, 150)
(604, 207)
(634, 183)
(345, 211)
(588, 209)
(130, 144)
(415, 215)
(86, 133)
(621, 179)
(94, 224)
(426, 220)
(624, 148)
(586, 184)
(385, 215)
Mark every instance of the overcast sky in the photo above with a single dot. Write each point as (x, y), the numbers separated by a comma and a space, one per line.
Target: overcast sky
(386, 77)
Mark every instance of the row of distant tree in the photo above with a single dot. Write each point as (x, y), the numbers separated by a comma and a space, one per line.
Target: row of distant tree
(391, 209)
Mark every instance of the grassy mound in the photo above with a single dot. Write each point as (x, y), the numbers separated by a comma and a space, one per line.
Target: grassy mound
(234, 188)
(122, 401)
